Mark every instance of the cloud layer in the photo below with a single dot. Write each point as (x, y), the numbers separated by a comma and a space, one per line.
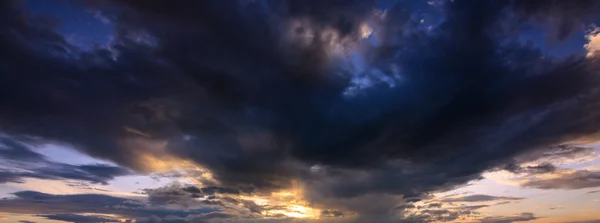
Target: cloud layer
(257, 92)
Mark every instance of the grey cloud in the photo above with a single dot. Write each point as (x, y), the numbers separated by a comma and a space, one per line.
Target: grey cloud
(331, 213)
(15, 150)
(438, 215)
(187, 196)
(434, 205)
(539, 169)
(509, 219)
(433, 213)
(474, 207)
(31, 202)
(558, 154)
(231, 205)
(479, 198)
(591, 221)
(20, 161)
(578, 179)
(593, 192)
(504, 202)
(75, 218)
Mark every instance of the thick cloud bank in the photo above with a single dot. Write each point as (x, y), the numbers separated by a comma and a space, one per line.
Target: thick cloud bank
(347, 97)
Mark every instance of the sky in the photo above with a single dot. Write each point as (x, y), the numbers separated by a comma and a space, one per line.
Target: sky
(268, 111)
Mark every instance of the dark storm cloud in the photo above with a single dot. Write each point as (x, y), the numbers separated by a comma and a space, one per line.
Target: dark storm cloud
(564, 17)
(230, 86)
(20, 161)
(78, 218)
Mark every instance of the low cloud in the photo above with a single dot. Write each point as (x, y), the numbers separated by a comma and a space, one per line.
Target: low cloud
(537, 169)
(568, 180)
(480, 198)
(589, 221)
(438, 215)
(79, 218)
(73, 206)
(20, 161)
(510, 219)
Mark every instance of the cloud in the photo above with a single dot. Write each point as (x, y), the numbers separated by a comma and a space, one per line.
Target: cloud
(566, 17)
(593, 192)
(590, 221)
(434, 205)
(474, 207)
(556, 155)
(78, 218)
(331, 213)
(569, 180)
(509, 219)
(438, 215)
(504, 202)
(255, 94)
(235, 205)
(479, 198)
(449, 212)
(539, 169)
(20, 162)
(25, 221)
(74, 206)
(555, 208)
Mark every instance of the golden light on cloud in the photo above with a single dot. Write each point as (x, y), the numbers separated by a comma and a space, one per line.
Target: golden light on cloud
(289, 203)
(296, 211)
(365, 30)
(593, 44)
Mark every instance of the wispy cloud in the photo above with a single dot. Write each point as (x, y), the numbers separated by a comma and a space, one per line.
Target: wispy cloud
(569, 180)
(509, 219)
(480, 198)
(593, 192)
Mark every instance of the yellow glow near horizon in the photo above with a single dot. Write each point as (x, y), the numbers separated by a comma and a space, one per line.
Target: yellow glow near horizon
(289, 202)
